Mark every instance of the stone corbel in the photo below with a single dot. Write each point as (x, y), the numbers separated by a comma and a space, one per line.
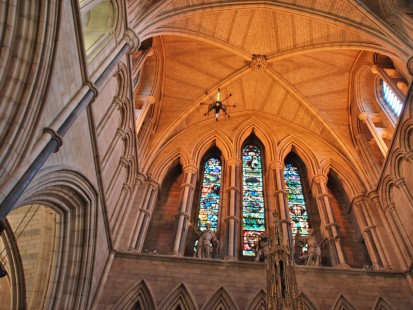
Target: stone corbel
(133, 40)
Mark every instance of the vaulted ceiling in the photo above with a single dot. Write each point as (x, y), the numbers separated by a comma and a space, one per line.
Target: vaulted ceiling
(310, 46)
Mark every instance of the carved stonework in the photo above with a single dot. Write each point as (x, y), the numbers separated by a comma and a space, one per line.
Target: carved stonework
(259, 62)
(410, 65)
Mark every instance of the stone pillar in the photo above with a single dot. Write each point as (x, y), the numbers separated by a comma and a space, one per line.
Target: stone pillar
(374, 197)
(327, 220)
(232, 219)
(147, 203)
(187, 195)
(366, 118)
(374, 244)
(369, 161)
(401, 184)
(277, 172)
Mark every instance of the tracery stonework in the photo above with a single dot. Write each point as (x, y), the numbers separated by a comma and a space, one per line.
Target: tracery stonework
(259, 62)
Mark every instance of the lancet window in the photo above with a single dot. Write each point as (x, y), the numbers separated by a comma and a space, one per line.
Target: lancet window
(391, 99)
(253, 211)
(210, 193)
(296, 200)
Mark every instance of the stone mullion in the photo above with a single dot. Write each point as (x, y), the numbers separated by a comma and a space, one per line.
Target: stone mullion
(324, 200)
(369, 160)
(376, 237)
(281, 199)
(365, 117)
(187, 195)
(232, 219)
(145, 212)
(401, 184)
(358, 208)
(390, 232)
(391, 209)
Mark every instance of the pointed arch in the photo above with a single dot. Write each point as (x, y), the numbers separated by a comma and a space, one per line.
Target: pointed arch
(162, 164)
(342, 303)
(382, 304)
(73, 197)
(289, 144)
(386, 190)
(259, 301)
(351, 181)
(395, 165)
(406, 136)
(179, 297)
(217, 138)
(307, 303)
(220, 300)
(139, 293)
(261, 132)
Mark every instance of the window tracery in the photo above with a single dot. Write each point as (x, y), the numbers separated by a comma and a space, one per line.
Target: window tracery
(253, 211)
(210, 194)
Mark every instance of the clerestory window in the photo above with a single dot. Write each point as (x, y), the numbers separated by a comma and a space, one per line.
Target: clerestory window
(391, 99)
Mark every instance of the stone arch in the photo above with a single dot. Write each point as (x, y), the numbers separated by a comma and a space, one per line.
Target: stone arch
(307, 303)
(217, 138)
(15, 273)
(138, 294)
(70, 195)
(396, 163)
(351, 180)
(26, 68)
(289, 144)
(259, 302)
(220, 300)
(163, 163)
(342, 303)
(179, 297)
(386, 190)
(382, 304)
(261, 132)
(406, 136)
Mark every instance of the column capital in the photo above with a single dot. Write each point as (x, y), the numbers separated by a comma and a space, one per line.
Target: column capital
(140, 178)
(373, 195)
(400, 182)
(358, 199)
(277, 164)
(132, 38)
(409, 156)
(190, 168)
(363, 116)
(233, 161)
(320, 178)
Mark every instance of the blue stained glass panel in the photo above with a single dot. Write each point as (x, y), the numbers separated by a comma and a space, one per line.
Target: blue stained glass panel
(296, 202)
(210, 194)
(253, 212)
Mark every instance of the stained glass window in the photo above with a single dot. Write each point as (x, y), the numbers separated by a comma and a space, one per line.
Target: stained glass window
(253, 215)
(210, 194)
(296, 202)
(392, 101)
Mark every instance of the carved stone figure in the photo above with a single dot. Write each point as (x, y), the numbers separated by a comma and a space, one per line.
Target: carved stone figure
(262, 248)
(207, 241)
(312, 256)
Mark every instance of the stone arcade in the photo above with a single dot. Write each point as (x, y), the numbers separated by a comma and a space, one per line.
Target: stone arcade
(107, 156)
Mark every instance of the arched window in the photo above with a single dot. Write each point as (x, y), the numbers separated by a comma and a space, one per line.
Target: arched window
(391, 99)
(296, 200)
(253, 212)
(210, 193)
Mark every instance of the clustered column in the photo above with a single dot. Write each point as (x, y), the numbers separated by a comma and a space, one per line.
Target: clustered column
(187, 195)
(371, 237)
(232, 218)
(150, 194)
(327, 219)
(277, 170)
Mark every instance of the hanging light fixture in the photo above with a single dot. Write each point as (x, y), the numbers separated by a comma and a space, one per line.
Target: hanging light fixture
(217, 105)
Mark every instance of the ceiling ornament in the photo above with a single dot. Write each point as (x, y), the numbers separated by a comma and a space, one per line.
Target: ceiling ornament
(259, 62)
(217, 105)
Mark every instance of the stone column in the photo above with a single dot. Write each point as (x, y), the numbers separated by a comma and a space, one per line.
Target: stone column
(327, 220)
(147, 203)
(232, 219)
(277, 172)
(390, 233)
(366, 118)
(187, 195)
(373, 243)
(369, 161)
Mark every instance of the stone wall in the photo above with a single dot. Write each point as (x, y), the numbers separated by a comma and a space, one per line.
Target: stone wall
(243, 282)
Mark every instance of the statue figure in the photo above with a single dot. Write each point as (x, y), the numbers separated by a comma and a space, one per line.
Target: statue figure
(312, 256)
(207, 241)
(262, 247)
(299, 241)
